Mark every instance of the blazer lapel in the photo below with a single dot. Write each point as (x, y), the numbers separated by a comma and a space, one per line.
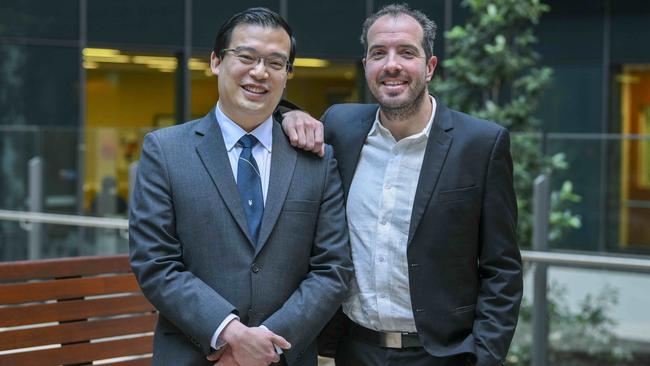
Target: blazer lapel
(435, 156)
(212, 152)
(283, 162)
(350, 150)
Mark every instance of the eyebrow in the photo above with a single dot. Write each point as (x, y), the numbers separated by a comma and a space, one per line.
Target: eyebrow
(401, 46)
(410, 47)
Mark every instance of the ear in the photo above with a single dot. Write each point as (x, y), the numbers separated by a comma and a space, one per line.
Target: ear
(363, 62)
(431, 67)
(215, 63)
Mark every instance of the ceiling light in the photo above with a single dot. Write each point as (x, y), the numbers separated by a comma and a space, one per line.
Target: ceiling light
(120, 59)
(102, 52)
(310, 62)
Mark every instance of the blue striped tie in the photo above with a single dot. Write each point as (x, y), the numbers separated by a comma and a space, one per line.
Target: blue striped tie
(249, 183)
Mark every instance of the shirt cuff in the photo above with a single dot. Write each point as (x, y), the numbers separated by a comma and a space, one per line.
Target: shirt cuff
(217, 343)
(278, 350)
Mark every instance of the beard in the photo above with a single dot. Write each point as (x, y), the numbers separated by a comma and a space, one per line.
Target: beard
(406, 109)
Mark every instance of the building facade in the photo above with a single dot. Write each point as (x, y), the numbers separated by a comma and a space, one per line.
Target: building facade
(81, 81)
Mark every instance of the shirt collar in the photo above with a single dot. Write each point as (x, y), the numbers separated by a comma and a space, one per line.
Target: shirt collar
(377, 127)
(232, 132)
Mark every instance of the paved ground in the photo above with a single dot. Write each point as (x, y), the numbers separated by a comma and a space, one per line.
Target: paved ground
(324, 361)
(633, 294)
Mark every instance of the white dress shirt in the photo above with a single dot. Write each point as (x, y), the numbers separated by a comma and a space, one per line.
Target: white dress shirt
(379, 208)
(231, 133)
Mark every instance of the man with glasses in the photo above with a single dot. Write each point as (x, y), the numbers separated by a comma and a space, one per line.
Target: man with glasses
(239, 240)
(431, 211)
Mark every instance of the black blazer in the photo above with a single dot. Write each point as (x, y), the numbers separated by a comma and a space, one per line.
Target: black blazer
(465, 270)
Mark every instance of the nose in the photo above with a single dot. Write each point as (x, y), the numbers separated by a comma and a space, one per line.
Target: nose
(392, 64)
(259, 72)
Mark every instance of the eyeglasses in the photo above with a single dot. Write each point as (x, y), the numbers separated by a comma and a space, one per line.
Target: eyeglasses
(250, 57)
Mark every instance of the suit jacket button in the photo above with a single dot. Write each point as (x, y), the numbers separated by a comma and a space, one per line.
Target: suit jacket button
(255, 268)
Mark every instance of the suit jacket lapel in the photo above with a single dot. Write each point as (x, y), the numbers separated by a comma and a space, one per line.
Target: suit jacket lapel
(283, 162)
(350, 150)
(212, 151)
(435, 155)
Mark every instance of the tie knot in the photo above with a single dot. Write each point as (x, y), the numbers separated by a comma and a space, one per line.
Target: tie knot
(248, 141)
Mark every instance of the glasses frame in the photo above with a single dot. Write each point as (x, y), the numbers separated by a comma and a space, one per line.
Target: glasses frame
(288, 67)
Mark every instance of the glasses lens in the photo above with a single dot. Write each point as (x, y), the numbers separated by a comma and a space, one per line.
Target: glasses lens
(247, 57)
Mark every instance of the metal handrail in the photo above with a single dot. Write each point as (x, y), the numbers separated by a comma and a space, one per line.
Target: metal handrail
(59, 219)
(551, 258)
(583, 135)
(587, 260)
(596, 136)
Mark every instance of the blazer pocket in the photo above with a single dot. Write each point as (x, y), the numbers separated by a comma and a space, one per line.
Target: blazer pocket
(465, 309)
(461, 194)
(300, 206)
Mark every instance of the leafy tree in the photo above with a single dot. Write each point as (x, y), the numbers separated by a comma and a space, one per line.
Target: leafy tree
(579, 335)
(491, 72)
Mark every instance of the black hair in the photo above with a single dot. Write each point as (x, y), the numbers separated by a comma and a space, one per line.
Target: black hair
(428, 26)
(257, 16)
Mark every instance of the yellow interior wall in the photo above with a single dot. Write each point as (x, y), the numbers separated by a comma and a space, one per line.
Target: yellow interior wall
(635, 98)
(204, 95)
(120, 107)
(311, 94)
(128, 99)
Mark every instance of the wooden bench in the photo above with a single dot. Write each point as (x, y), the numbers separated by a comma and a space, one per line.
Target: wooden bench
(73, 311)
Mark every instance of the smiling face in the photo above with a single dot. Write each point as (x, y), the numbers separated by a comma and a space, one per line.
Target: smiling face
(397, 71)
(249, 93)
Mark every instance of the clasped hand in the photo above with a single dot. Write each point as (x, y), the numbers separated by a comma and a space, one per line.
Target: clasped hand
(248, 346)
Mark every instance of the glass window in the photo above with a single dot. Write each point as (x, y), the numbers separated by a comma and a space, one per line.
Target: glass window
(40, 19)
(307, 18)
(629, 24)
(159, 22)
(38, 91)
(327, 82)
(127, 94)
(208, 15)
(39, 85)
(635, 187)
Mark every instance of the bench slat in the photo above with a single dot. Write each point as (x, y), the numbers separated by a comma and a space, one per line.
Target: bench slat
(73, 310)
(79, 353)
(67, 288)
(76, 331)
(146, 361)
(22, 302)
(63, 267)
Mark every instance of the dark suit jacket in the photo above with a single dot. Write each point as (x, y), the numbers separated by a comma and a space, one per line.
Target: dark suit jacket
(194, 259)
(465, 270)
